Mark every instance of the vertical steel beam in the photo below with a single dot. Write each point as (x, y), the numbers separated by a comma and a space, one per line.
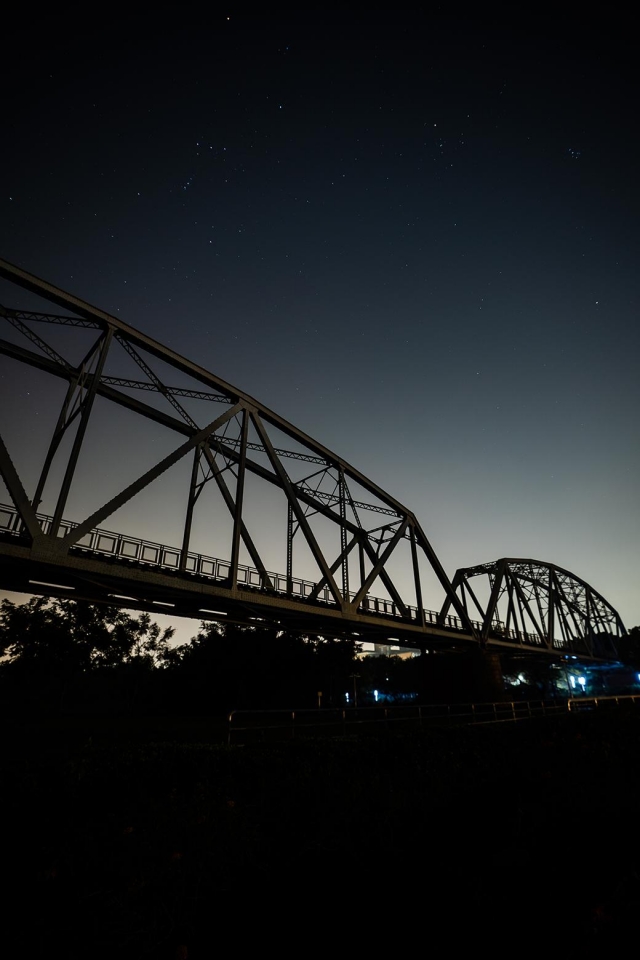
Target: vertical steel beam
(289, 550)
(58, 433)
(228, 499)
(416, 577)
(523, 599)
(536, 591)
(551, 612)
(65, 417)
(237, 516)
(190, 505)
(511, 612)
(343, 535)
(564, 636)
(523, 622)
(588, 633)
(568, 606)
(363, 575)
(493, 599)
(87, 404)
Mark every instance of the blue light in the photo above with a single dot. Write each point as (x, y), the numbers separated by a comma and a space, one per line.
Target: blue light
(375, 695)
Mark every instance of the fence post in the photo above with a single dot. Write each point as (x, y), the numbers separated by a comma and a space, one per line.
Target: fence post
(229, 722)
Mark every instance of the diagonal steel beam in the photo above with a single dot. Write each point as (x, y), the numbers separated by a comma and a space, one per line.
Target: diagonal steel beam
(523, 599)
(30, 335)
(58, 433)
(172, 423)
(467, 586)
(362, 592)
(285, 483)
(166, 420)
(384, 576)
(493, 600)
(55, 295)
(18, 493)
(158, 384)
(86, 407)
(571, 606)
(96, 518)
(322, 583)
(438, 569)
(246, 537)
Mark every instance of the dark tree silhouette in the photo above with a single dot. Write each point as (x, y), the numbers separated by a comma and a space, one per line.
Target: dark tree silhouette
(53, 649)
(70, 655)
(629, 646)
(229, 666)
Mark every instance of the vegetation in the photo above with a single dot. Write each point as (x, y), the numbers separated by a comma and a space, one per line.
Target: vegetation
(66, 655)
(69, 657)
(136, 849)
(629, 647)
(125, 840)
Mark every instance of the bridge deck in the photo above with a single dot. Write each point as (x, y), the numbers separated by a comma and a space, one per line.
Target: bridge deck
(109, 567)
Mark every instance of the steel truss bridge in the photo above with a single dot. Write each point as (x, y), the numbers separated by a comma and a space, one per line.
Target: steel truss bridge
(352, 560)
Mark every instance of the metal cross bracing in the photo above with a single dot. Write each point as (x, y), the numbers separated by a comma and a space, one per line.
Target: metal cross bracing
(539, 606)
(133, 553)
(353, 560)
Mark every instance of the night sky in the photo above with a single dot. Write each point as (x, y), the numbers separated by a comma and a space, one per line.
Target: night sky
(414, 237)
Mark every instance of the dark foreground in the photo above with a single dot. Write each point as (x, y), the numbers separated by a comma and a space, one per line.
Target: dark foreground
(485, 837)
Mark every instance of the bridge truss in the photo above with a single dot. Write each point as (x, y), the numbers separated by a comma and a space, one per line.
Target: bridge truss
(351, 558)
(539, 605)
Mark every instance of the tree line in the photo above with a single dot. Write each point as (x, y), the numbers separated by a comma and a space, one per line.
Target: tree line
(60, 656)
(65, 655)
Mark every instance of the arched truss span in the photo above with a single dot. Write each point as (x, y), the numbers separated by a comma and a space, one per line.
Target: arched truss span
(233, 440)
(538, 606)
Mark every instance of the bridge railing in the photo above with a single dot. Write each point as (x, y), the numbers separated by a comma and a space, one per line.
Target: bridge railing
(134, 550)
(245, 726)
(146, 552)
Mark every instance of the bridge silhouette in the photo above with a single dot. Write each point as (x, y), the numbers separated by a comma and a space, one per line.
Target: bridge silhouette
(349, 559)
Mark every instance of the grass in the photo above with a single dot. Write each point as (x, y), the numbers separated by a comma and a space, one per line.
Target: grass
(127, 841)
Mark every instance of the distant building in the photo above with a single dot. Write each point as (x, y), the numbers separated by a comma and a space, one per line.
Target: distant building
(387, 650)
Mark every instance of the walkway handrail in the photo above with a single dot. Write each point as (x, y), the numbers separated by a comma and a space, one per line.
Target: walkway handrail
(322, 722)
